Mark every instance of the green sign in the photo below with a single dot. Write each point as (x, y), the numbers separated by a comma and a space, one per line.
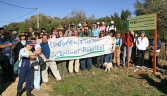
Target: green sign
(144, 22)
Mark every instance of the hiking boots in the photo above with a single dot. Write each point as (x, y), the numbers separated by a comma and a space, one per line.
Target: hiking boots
(18, 93)
(71, 74)
(28, 93)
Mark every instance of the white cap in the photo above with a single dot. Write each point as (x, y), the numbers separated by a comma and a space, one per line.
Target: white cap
(112, 22)
(102, 22)
(79, 24)
(98, 23)
(14, 32)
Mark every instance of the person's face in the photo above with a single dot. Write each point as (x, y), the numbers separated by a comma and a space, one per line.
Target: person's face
(54, 32)
(1, 31)
(75, 33)
(23, 37)
(71, 28)
(36, 37)
(85, 24)
(60, 33)
(86, 29)
(118, 35)
(44, 39)
(30, 29)
(41, 35)
(60, 26)
(82, 30)
(102, 34)
(142, 35)
(95, 26)
(33, 41)
(111, 34)
(29, 47)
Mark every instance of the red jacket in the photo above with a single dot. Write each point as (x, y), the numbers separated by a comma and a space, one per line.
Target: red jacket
(131, 39)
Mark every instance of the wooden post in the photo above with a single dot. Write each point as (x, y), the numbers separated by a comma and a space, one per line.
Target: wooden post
(155, 47)
(127, 50)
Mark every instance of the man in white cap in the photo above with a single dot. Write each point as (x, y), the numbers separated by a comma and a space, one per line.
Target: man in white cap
(79, 28)
(15, 38)
(98, 25)
(111, 27)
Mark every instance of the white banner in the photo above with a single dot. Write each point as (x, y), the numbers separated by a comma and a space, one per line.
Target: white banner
(68, 48)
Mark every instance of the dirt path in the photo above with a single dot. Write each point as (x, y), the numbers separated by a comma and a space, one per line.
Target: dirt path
(11, 90)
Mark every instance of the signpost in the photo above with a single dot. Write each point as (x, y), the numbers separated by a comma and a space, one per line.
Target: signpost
(144, 22)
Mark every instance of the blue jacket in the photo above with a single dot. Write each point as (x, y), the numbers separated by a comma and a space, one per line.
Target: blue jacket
(158, 43)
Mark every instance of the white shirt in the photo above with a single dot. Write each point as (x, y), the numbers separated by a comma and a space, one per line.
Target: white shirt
(142, 44)
(23, 53)
(113, 39)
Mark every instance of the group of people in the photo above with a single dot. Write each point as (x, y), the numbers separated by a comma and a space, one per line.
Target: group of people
(31, 50)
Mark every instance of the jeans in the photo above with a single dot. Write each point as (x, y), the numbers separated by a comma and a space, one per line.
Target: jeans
(100, 60)
(108, 58)
(140, 56)
(124, 54)
(37, 79)
(86, 62)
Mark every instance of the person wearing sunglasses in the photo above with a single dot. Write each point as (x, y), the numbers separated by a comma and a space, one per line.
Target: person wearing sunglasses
(117, 52)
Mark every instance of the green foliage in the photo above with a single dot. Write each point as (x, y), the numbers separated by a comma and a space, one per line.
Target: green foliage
(23, 28)
(76, 16)
(154, 6)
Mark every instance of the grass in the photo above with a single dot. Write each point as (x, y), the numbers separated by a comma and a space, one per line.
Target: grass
(117, 82)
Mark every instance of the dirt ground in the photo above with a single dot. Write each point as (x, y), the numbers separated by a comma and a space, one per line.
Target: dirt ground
(11, 89)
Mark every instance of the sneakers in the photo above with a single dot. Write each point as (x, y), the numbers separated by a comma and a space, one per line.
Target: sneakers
(77, 73)
(47, 83)
(71, 74)
(93, 73)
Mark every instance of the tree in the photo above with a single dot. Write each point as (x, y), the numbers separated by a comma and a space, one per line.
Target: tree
(23, 28)
(154, 6)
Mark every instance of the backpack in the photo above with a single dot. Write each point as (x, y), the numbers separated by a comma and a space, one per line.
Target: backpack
(109, 28)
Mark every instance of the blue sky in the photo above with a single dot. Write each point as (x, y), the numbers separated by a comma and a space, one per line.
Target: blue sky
(61, 8)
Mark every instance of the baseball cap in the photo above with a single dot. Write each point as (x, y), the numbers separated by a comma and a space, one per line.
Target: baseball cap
(14, 32)
(142, 32)
(98, 23)
(102, 22)
(112, 22)
(79, 25)
(22, 34)
(29, 43)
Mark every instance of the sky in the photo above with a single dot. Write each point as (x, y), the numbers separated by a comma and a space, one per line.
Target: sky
(61, 8)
